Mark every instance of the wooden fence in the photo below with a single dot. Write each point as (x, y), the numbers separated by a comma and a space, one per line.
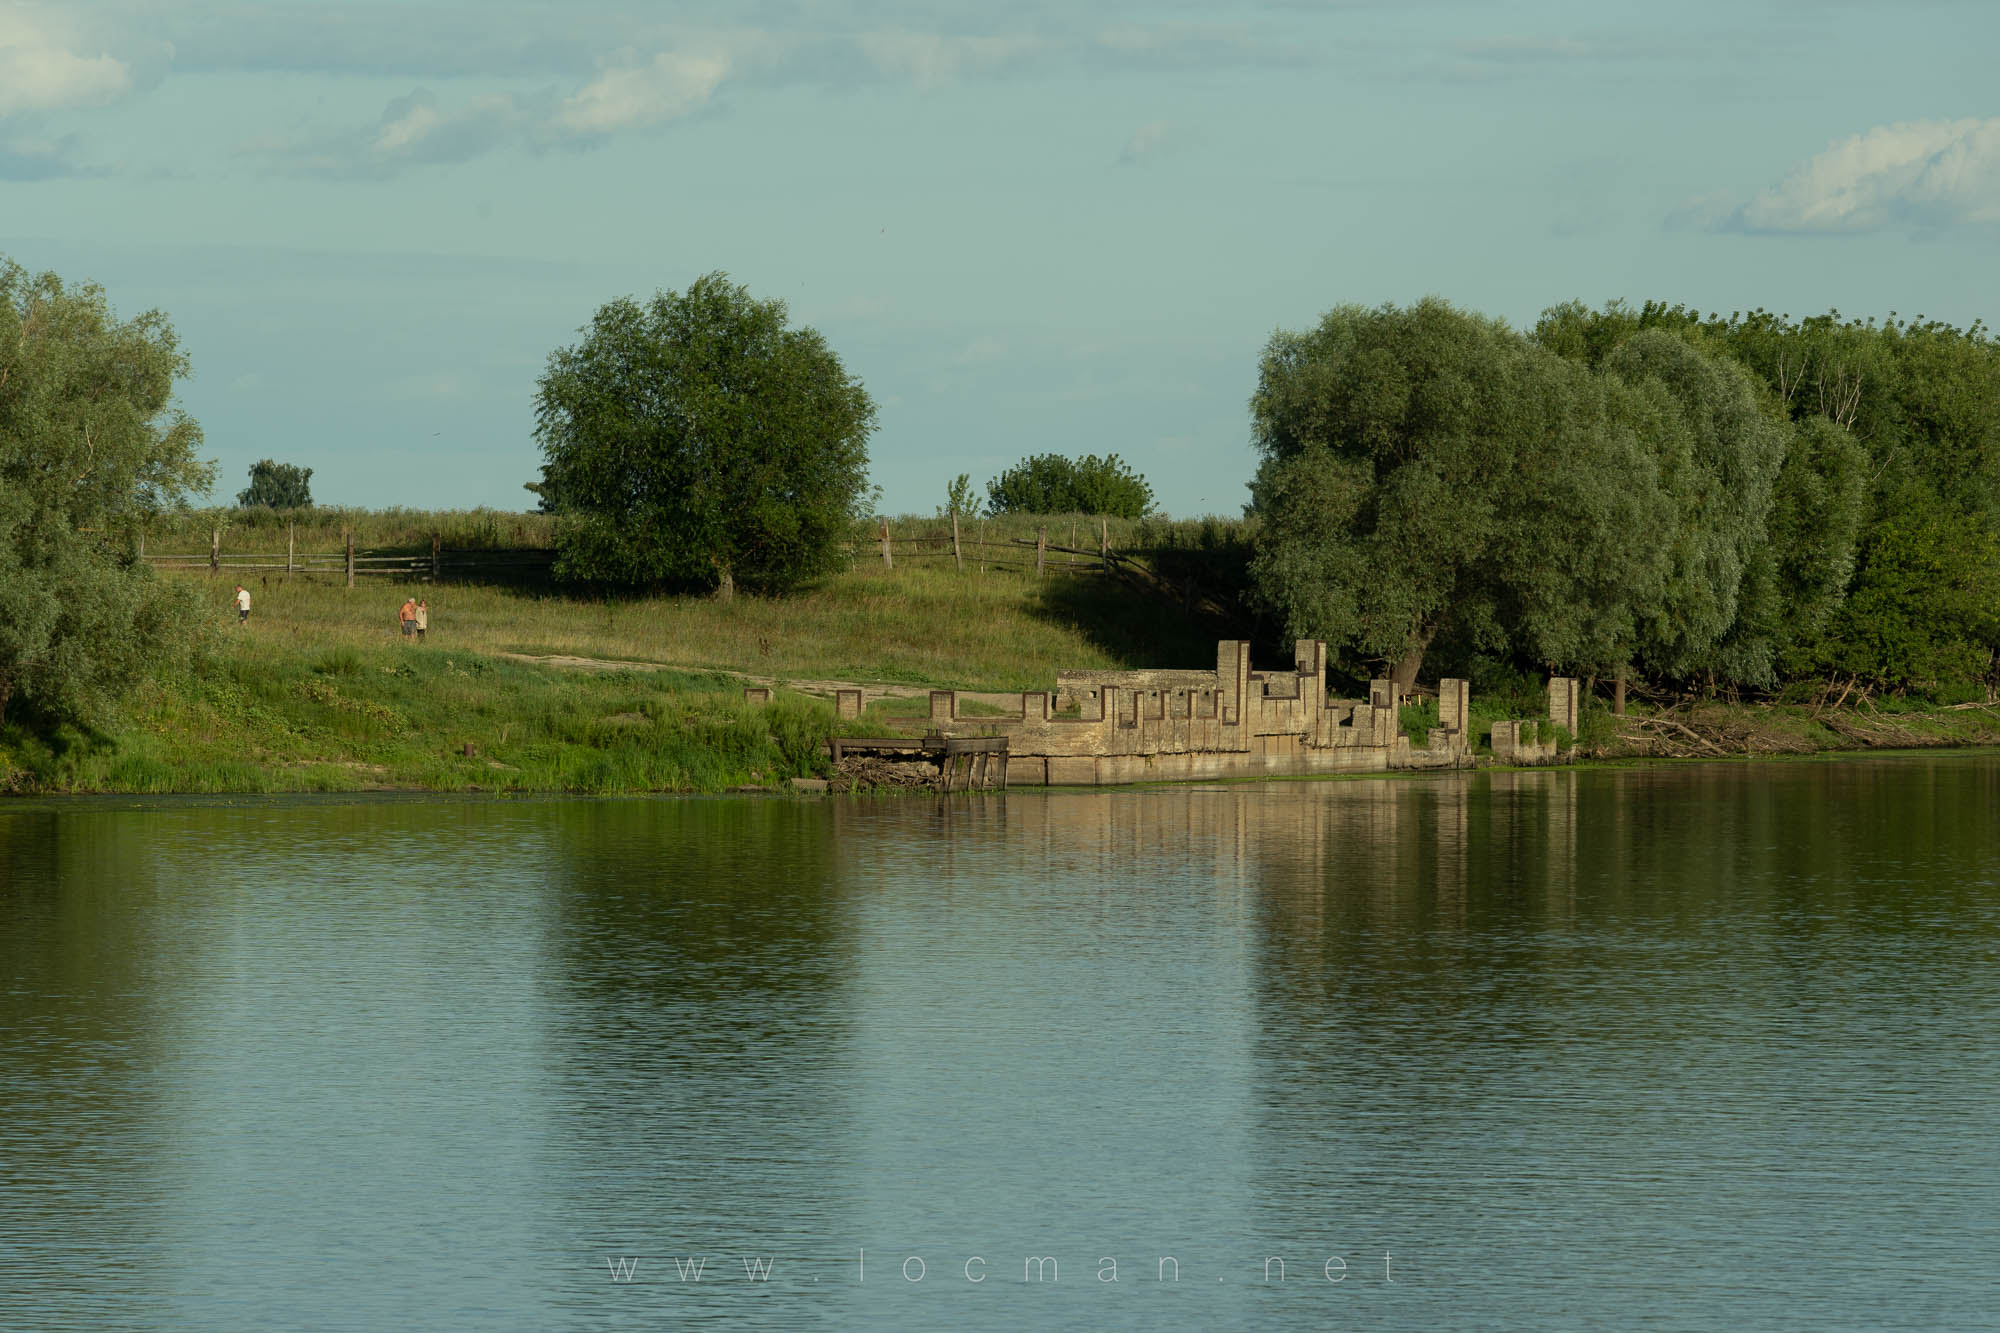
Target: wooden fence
(972, 550)
(975, 549)
(350, 563)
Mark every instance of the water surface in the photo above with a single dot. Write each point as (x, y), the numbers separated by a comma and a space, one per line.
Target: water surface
(1697, 1047)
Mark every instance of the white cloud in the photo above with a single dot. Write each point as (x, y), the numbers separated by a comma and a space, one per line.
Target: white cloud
(1517, 47)
(1921, 173)
(672, 84)
(41, 71)
(983, 350)
(414, 129)
(1149, 141)
(934, 59)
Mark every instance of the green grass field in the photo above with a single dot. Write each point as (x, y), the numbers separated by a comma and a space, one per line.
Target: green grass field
(319, 691)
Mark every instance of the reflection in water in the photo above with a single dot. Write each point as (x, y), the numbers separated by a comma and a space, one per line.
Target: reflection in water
(700, 1040)
(1706, 1046)
(1720, 1027)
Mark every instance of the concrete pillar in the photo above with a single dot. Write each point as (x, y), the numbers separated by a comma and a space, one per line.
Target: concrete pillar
(847, 704)
(944, 704)
(756, 695)
(1310, 654)
(1454, 699)
(1232, 678)
(1564, 702)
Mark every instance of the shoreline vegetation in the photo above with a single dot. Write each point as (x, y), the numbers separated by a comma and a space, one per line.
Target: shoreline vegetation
(1767, 535)
(526, 689)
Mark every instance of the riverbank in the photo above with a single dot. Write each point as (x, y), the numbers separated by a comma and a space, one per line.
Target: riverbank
(519, 691)
(524, 690)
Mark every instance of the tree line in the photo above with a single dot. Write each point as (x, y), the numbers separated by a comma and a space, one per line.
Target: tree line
(1697, 500)
(1626, 492)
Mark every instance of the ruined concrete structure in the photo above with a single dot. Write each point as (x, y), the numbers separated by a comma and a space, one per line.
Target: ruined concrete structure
(1534, 742)
(1107, 727)
(1103, 727)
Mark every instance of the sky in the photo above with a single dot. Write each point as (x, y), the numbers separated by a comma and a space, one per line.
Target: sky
(1027, 228)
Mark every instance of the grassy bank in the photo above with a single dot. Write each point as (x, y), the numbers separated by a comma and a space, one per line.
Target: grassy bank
(319, 692)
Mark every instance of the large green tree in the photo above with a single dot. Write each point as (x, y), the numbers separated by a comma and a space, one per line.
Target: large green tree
(89, 441)
(1895, 430)
(1718, 453)
(1427, 471)
(698, 439)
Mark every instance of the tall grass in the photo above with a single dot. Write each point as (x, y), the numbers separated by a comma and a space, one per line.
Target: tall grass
(256, 716)
(1004, 630)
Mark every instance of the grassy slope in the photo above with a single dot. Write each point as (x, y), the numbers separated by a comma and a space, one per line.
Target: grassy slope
(320, 693)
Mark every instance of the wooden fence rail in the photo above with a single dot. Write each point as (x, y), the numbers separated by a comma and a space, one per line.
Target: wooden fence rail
(428, 566)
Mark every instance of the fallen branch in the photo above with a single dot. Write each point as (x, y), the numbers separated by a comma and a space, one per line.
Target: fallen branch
(1682, 728)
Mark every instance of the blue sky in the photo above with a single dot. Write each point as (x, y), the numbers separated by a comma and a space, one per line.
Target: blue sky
(1027, 228)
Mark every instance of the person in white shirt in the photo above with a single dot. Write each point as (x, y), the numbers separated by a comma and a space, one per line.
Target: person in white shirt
(242, 604)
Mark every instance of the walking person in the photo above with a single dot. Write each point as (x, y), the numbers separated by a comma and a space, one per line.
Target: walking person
(242, 604)
(423, 618)
(408, 616)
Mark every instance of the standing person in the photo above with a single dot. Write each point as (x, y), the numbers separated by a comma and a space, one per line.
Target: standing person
(408, 615)
(423, 618)
(242, 604)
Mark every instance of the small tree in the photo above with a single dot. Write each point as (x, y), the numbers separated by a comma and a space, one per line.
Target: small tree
(89, 443)
(277, 486)
(958, 497)
(699, 440)
(1053, 484)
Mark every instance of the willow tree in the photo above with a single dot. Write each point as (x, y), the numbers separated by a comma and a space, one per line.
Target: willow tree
(89, 441)
(1718, 454)
(699, 439)
(1426, 470)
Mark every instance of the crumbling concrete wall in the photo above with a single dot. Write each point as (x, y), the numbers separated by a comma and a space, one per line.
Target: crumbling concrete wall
(1138, 726)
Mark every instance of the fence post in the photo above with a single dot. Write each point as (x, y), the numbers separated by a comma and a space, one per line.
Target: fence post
(142, 546)
(888, 561)
(214, 549)
(956, 557)
(349, 534)
(1041, 547)
(982, 548)
(1104, 541)
(435, 563)
(289, 531)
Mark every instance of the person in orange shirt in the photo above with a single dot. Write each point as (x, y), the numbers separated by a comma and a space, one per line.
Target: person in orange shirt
(409, 617)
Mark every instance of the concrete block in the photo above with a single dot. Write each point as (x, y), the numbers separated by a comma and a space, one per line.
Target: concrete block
(1565, 702)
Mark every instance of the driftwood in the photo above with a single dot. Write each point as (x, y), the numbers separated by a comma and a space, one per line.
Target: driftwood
(1668, 724)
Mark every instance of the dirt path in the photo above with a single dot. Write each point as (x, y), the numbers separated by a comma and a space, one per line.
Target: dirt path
(825, 688)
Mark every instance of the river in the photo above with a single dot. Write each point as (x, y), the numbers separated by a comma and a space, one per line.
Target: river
(1688, 1047)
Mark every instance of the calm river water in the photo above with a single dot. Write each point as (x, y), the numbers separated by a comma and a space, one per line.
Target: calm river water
(1707, 1047)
